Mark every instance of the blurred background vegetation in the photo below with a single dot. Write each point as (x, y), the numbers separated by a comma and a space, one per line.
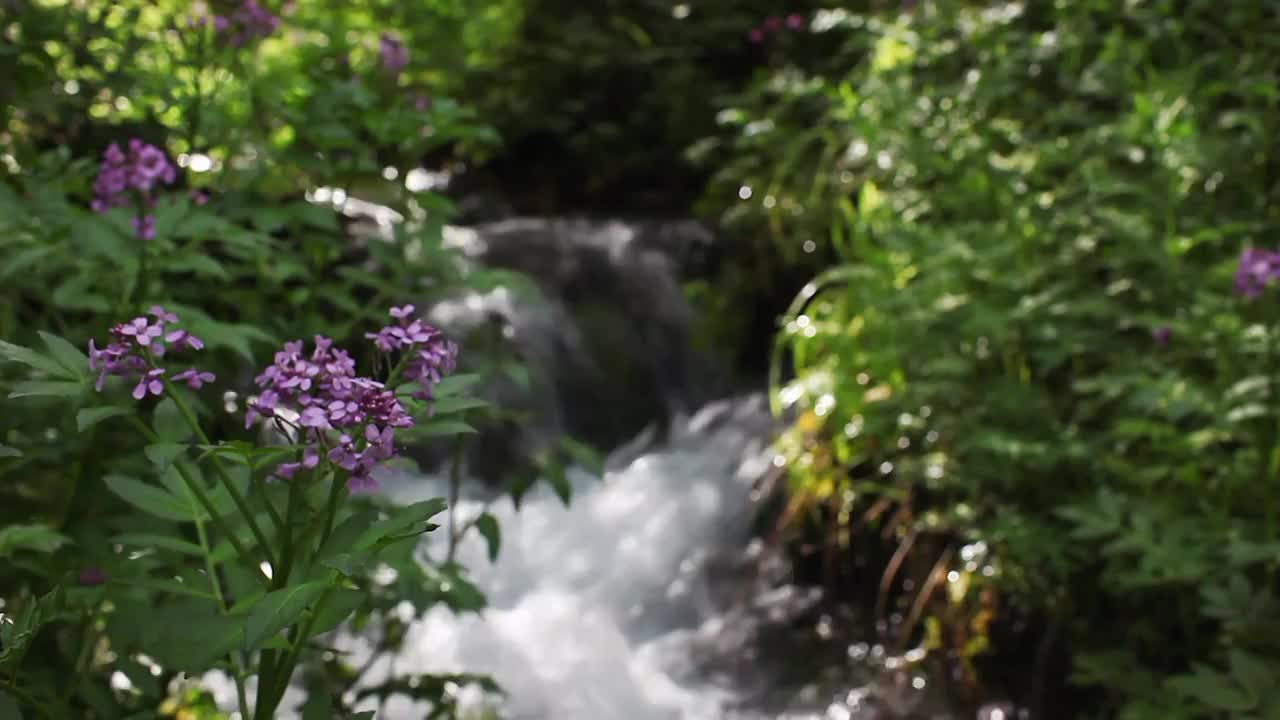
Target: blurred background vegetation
(1034, 426)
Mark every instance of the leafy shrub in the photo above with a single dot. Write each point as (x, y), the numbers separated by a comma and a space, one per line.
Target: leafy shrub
(1032, 336)
(155, 158)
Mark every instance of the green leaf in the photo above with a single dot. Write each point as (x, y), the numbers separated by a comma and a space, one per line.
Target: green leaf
(48, 388)
(162, 455)
(278, 610)
(192, 636)
(337, 608)
(9, 709)
(163, 542)
(1254, 674)
(68, 356)
(454, 384)
(6, 451)
(149, 499)
(169, 587)
(89, 417)
(519, 374)
(168, 422)
(487, 525)
(456, 403)
(400, 519)
(1214, 689)
(440, 428)
(583, 455)
(30, 358)
(344, 537)
(37, 538)
(201, 265)
(559, 480)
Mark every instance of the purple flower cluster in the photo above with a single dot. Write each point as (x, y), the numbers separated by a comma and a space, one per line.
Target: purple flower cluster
(1258, 268)
(773, 24)
(348, 418)
(393, 55)
(135, 347)
(251, 21)
(430, 355)
(132, 176)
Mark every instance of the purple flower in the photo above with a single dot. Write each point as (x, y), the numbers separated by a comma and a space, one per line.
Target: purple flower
(1257, 269)
(152, 382)
(310, 459)
(134, 346)
(1161, 335)
(144, 227)
(251, 21)
(124, 177)
(432, 356)
(772, 23)
(331, 400)
(393, 54)
(92, 576)
(195, 379)
(795, 21)
(756, 35)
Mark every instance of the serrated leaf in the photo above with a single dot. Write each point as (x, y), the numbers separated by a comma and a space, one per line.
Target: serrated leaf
(89, 417)
(67, 355)
(37, 538)
(278, 610)
(149, 499)
(163, 542)
(487, 526)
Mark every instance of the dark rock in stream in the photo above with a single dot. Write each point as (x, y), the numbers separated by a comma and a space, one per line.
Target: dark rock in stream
(603, 327)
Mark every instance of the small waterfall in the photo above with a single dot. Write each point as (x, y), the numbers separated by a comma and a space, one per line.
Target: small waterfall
(593, 608)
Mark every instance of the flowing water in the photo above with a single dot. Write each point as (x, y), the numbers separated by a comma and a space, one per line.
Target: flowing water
(647, 598)
(642, 600)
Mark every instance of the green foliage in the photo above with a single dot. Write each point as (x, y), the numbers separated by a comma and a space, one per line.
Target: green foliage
(133, 532)
(1020, 197)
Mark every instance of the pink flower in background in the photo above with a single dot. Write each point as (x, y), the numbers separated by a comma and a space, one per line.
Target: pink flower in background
(773, 23)
(756, 35)
(128, 179)
(251, 21)
(795, 21)
(393, 54)
(92, 576)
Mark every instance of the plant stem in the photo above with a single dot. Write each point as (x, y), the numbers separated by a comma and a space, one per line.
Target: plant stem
(331, 508)
(216, 586)
(455, 488)
(241, 504)
(207, 504)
